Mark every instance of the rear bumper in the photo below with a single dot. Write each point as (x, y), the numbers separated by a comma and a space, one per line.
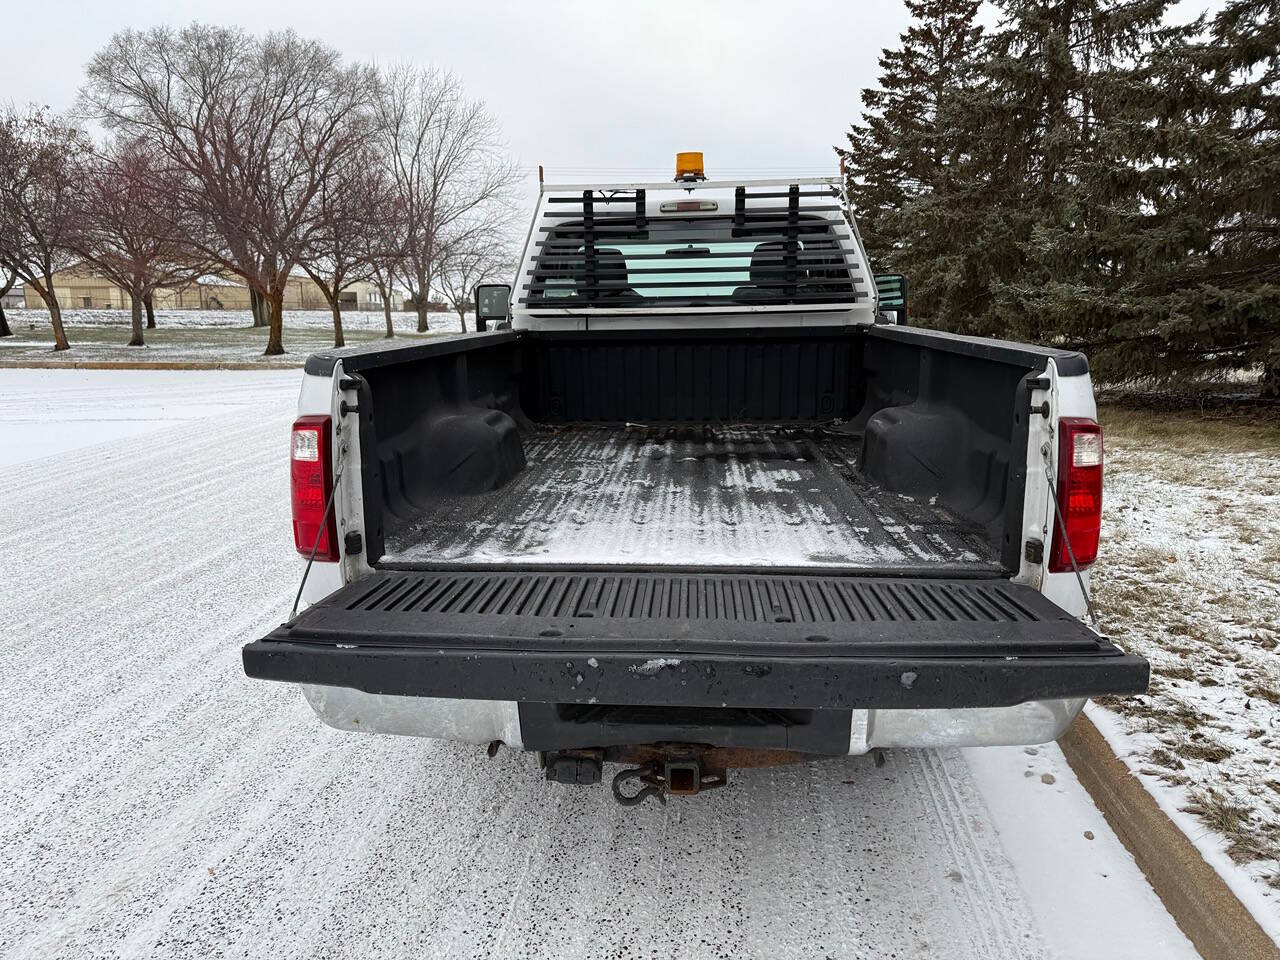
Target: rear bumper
(856, 732)
(785, 681)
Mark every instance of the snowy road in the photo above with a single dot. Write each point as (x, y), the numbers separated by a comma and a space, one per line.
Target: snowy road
(156, 803)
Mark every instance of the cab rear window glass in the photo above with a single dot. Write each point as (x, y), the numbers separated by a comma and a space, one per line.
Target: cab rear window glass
(614, 261)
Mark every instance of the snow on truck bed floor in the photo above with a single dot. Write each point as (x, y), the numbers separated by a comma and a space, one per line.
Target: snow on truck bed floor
(741, 495)
(156, 803)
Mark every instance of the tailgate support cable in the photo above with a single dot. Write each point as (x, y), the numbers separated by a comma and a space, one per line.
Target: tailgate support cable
(1062, 529)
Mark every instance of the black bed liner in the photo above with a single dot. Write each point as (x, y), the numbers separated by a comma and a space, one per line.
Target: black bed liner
(691, 639)
(754, 495)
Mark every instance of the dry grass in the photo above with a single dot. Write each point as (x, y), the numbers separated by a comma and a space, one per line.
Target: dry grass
(1192, 432)
(1187, 578)
(1247, 841)
(1201, 748)
(1227, 818)
(1166, 759)
(1270, 694)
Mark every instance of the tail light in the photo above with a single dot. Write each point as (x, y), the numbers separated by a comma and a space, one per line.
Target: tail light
(1079, 493)
(311, 474)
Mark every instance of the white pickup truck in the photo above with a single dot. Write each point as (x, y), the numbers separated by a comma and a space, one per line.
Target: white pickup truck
(696, 505)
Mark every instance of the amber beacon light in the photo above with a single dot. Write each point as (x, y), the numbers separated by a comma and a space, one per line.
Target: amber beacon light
(689, 165)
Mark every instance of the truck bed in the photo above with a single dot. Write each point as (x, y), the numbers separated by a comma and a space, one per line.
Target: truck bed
(701, 496)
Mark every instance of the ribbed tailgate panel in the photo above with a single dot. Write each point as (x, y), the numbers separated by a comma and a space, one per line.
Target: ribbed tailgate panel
(735, 599)
(787, 615)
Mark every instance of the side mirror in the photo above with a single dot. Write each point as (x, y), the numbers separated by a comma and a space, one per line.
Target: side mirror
(493, 305)
(892, 288)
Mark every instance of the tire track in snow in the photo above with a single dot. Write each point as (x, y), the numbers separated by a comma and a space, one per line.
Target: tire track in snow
(976, 889)
(133, 658)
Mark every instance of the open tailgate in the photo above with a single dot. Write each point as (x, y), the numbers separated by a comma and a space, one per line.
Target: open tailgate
(695, 640)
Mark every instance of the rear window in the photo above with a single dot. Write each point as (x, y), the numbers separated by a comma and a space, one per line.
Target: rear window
(616, 262)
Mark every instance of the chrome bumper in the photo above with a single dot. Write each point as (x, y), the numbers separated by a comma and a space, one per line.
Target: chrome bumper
(483, 721)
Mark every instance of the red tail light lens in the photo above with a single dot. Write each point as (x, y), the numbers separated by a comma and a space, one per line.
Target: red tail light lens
(311, 473)
(1079, 493)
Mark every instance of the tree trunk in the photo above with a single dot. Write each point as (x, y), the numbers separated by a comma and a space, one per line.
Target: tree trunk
(60, 341)
(338, 339)
(273, 306)
(462, 319)
(136, 311)
(148, 301)
(420, 303)
(386, 309)
(1269, 386)
(255, 307)
(6, 332)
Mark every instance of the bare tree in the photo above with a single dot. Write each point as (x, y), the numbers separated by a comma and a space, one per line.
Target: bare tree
(383, 278)
(41, 158)
(344, 247)
(124, 227)
(472, 257)
(388, 231)
(251, 127)
(447, 161)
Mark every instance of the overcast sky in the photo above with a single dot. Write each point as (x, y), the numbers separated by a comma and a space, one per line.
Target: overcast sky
(592, 90)
(599, 89)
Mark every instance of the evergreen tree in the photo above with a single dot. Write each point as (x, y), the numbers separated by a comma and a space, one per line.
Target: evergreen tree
(1073, 88)
(903, 147)
(1207, 297)
(1100, 180)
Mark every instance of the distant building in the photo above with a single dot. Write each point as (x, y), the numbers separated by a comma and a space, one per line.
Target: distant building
(14, 299)
(433, 306)
(81, 288)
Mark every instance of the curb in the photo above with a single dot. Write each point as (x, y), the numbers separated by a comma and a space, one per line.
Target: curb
(1197, 898)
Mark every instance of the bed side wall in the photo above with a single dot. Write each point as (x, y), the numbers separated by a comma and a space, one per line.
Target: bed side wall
(440, 424)
(947, 416)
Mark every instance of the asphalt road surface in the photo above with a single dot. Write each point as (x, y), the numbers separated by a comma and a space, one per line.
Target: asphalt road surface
(156, 803)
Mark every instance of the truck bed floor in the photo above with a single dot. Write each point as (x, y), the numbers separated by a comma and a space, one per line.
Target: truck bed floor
(691, 496)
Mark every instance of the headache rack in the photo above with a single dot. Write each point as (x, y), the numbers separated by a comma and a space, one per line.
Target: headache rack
(760, 243)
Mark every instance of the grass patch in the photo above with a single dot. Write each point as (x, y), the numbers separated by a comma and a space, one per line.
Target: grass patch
(1166, 759)
(1259, 692)
(1205, 749)
(1229, 819)
(1191, 431)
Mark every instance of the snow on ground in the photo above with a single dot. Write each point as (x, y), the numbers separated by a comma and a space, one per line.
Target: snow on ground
(165, 319)
(209, 337)
(1189, 577)
(51, 411)
(154, 802)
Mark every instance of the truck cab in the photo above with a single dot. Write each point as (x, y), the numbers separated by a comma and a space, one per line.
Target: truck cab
(698, 507)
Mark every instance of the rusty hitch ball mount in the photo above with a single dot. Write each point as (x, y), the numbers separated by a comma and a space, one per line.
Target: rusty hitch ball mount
(678, 776)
